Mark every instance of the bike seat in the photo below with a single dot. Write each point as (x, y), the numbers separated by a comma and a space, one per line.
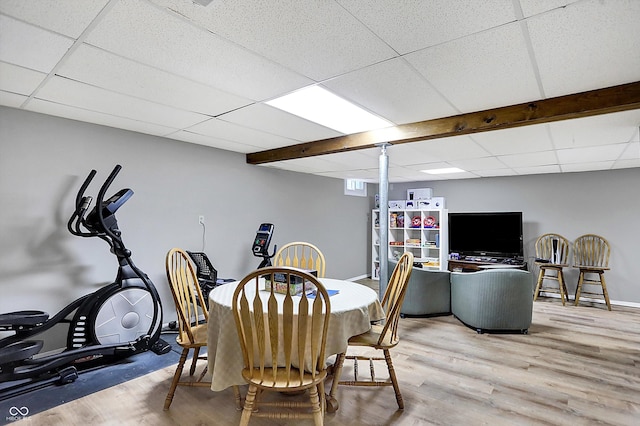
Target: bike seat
(19, 351)
(20, 320)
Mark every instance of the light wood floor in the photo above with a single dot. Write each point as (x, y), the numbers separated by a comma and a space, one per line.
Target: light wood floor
(578, 366)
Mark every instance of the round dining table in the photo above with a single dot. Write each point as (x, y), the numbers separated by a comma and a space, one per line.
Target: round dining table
(353, 308)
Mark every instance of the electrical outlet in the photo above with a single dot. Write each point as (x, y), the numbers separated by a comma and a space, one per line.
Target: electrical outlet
(201, 220)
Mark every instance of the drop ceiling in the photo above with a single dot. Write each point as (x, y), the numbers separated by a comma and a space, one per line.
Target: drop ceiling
(201, 74)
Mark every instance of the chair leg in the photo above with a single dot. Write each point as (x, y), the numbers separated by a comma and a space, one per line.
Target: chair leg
(316, 410)
(604, 290)
(194, 361)
(394, 380)
(332, 402)
(539, 284)
(176, 378)
(579, 288)
(562, 287)
(564, 284)
(248, 405)
(323, 398)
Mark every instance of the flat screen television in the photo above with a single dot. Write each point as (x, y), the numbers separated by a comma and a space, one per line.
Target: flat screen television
(493, 234)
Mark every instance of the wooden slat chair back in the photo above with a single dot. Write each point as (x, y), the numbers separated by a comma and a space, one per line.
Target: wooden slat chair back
(301, 255)
(381, 336)
(283, 339)
(591, 256)
(555, 249)
(192, 317)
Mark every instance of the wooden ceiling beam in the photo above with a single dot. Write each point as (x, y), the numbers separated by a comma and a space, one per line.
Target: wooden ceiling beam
(594, 102)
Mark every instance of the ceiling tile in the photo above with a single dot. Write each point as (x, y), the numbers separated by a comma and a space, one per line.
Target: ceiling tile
(353, 160)
(318, 39)
(140, 31)
(473, 65)
(63, 91)
(304, 165)
(515, 141)
(11, 99)
(587, 166)
(632, 151)
(478, 164)
(393, 90)
(532, 159)
(29, 46)
(95, 117)
(587, 45)
(534, 7)
(19, 80)
(404, 174)
(370, 176)
(599, 130)
(538, 170)
(494, 172)
(590, 154)
(61, 16)
(275, 121)
(409, 25)
(626, 164)
(408, 153)
(428, 166)
(108, 71)
(453, 148)
(236, 133)
(186, 136)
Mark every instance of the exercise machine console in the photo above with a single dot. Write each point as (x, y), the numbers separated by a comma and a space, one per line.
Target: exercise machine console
(261, 243)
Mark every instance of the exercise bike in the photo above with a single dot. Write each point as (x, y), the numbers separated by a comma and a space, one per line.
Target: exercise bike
(116, 321)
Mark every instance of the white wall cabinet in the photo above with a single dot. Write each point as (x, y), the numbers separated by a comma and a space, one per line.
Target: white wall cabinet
(421, 232)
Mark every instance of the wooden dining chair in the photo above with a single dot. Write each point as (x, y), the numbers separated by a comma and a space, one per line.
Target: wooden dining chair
(381, 336)
(192, 318)
(283, 339)
(591, 256)
(301, 255)
(552, 252)
(192, 321)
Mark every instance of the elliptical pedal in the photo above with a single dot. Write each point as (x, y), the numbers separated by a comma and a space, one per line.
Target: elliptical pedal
(67, 375)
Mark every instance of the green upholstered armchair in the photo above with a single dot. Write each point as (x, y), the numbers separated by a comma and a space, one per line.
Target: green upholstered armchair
(428, 293)
(493, 300)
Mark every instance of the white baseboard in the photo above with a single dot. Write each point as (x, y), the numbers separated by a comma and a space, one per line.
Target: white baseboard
(360, 277)
(587, 299)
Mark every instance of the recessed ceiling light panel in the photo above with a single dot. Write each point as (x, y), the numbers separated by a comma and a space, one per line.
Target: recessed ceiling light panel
(316, 104)
(443, 171)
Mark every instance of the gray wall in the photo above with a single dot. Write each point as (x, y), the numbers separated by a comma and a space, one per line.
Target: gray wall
(44, 159)
(571, 204)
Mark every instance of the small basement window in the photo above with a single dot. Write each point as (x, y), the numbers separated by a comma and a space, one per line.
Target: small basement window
(355, 187)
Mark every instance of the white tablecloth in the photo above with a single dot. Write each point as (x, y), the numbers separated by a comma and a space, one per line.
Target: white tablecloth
(352, 311)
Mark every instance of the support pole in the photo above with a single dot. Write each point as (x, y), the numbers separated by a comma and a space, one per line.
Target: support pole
(383, 189)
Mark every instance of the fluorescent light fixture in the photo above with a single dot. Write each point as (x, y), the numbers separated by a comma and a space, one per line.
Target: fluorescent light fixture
(443, 171)
(323, 107)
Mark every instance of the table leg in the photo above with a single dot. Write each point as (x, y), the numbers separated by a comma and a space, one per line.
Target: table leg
(336, 369)
(236, 393)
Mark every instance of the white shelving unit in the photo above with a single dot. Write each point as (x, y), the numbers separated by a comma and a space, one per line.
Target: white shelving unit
(421, 232)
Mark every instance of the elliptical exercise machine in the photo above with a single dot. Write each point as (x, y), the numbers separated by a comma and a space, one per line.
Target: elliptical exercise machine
(118, 320)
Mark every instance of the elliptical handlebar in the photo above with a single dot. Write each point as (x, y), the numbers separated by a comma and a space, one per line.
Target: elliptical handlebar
(80, 196)
(103, 190)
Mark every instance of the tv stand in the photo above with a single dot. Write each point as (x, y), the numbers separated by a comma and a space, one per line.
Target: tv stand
(473, 264)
